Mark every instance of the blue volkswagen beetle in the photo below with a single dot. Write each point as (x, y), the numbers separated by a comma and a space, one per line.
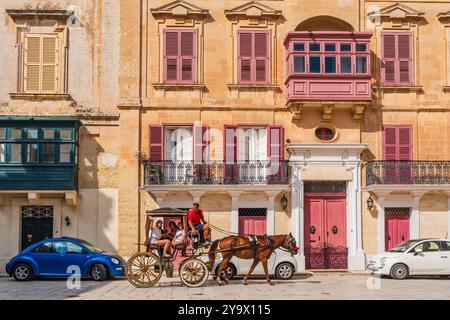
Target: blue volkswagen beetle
(63, 257)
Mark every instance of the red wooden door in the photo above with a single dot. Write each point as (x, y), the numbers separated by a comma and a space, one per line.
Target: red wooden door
(396, 230)
(325, 231)
(252, 225)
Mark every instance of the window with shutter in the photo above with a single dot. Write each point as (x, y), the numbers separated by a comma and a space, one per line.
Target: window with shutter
(253, 56)
(179, 56)
(40, 65)
(156, 143)
(396, 58)
(397, 148)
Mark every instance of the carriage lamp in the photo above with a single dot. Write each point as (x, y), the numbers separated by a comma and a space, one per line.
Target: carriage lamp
(370, 203)
(67, 220)
(284, 202)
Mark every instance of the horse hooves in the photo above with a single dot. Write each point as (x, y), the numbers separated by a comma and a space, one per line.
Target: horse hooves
(244, 283)
(271, 283)
(220, 284)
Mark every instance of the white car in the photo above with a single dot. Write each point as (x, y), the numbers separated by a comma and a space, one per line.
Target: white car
(281, 264)
(413, 257)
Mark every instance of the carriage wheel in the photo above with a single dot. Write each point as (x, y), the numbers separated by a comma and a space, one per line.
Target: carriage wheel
(144, 270)
(193, 272)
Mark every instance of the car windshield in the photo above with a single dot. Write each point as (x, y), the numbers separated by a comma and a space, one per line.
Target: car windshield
(91, 247)
(402, 247)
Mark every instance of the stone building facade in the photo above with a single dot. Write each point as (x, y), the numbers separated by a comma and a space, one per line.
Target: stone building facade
(276, 116)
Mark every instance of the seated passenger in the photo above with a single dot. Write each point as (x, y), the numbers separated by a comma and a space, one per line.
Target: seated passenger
(156, 236)
(180, 235)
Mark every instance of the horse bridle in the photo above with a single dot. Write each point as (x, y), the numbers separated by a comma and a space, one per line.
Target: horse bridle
(288, 247)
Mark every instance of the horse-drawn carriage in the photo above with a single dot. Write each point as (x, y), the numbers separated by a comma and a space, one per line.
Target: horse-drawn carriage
(144, 269)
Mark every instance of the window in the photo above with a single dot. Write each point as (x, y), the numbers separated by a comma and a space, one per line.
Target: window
(346, 65)
(48, 152)
(314, 64)
(16, 134)
(16, 153)
(396, 62)
(49, 134)
(65, 134)
(178, 144)
(32, 133)
(299, 47)
(252, 144)
(66, 247)
(179, 55)
(445, 245)
(299, 64)
(330, 64)
(46, 247)
(65, 153)
(40, 63)
(361, 65)
(253, 56)
(32, 153)
(428, 246)
(325, 133)
(2, 153)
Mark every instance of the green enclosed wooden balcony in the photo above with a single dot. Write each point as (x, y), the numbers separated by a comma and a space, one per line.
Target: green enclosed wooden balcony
(38, 153)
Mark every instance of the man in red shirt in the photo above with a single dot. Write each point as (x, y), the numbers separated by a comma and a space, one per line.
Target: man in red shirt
(197, 221)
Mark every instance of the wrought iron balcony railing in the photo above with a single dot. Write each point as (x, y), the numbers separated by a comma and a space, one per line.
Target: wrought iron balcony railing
(408, 172)
(215, 172)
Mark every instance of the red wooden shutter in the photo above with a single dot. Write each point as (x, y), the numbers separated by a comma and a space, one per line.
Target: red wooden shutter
(187, 56)
(245, 54)
(200, 143)
(252, 225)
(261, 56)
(397, 145)
(179, 56)
(404, 57)
(275, 153)
(390, 143)
(156, 143)
(230, 154)
(388, 59)
(170, 56)
(396, 58)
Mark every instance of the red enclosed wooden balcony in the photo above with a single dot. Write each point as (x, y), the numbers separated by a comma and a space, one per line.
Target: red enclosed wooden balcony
(328, 66)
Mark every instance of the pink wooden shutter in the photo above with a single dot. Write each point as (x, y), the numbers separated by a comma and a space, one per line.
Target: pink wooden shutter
(388, 63)
(390, 138)
(252, 225)
(171, 56)
(230, 154)
(156, 143)
(390, 143)
(187, 56)
(405, 154)
(245, 54)
(275, 153)
(261, 57)
(200, 143)
(404, 57)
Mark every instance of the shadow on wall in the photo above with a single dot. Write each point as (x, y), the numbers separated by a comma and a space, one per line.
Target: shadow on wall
(96, 214)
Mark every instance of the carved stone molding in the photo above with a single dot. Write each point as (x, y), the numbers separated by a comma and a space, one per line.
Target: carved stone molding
(327, 113)
(253, 10)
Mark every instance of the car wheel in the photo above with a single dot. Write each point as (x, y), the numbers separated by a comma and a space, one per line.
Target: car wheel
(284, 271)
(230, 270)
(22, 272)
(98, 272)
(399, 271)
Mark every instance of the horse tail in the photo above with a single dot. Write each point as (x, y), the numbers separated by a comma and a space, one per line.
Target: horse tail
(212, 254)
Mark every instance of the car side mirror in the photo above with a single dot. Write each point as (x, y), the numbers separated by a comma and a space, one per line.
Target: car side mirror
(417, 251)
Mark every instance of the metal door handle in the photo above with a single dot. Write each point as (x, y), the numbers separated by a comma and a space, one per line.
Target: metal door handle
(389, 238)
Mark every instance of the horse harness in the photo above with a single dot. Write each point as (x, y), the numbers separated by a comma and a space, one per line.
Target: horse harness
(253, 244)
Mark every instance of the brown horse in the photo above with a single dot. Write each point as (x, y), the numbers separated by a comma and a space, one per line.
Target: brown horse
(244, 248)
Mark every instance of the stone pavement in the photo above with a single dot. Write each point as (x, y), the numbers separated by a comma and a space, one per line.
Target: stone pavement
(306, 286)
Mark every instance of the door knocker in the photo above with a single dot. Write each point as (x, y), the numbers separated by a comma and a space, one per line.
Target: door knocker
(29, 237)
(312, 230)
(334, 230)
